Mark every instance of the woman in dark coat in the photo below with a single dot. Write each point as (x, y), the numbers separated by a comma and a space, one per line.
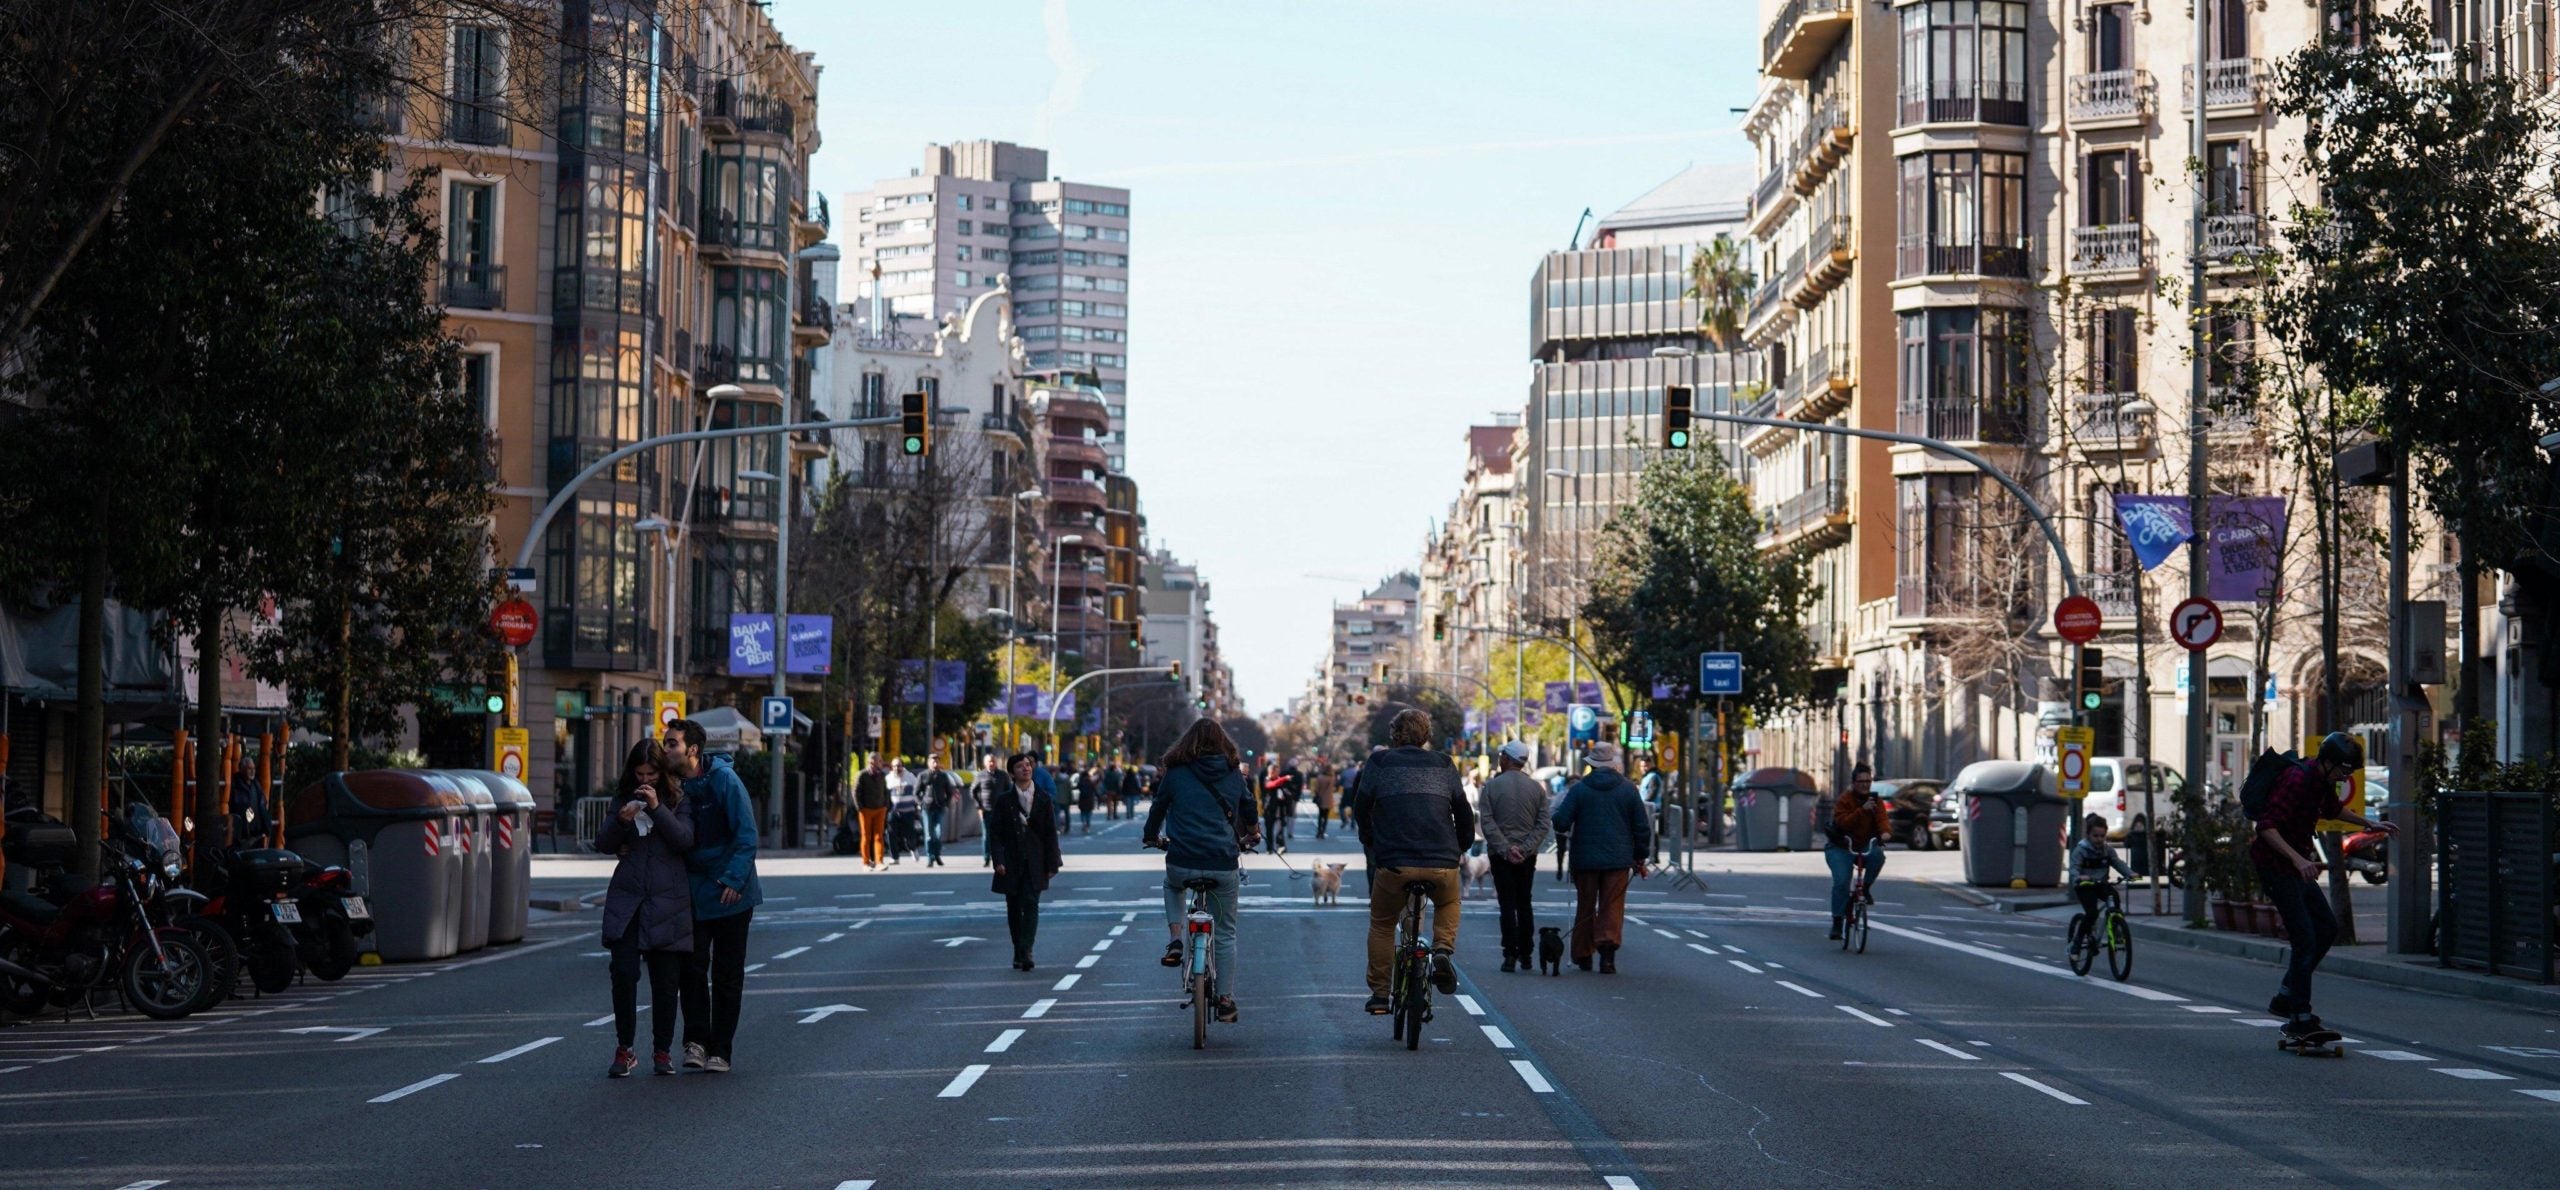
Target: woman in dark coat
(1022, 835)
(648, 909)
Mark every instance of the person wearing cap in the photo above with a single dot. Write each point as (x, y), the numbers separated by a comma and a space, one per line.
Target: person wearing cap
(1611, 835)
(1512, 811)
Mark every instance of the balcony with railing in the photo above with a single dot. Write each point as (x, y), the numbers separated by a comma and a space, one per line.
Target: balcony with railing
(1916, 256)
(2230, 411)
(2230, 83)
(732, 110)
(1820, 146)
(2115, 594)
(1771, 190)
(813, 320)
(1821, 507)
(471, 286)
(1964, 101)
(1962, 419)
(1801, 33)
(2104, 97)
(1830, 639)
(1830, 251)
(2099, 421)
(2229, 237)
(474, 121)
(2107, 248)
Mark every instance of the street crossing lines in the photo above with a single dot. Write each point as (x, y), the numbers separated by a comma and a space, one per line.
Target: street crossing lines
(1864, 1015)
(961, 1082)
(1529, 1074)
(1949, 1050)
(414, 1088)
(1004, 1041)
(2024, 1081)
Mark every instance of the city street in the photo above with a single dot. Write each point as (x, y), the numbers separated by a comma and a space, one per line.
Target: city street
(886, 1043)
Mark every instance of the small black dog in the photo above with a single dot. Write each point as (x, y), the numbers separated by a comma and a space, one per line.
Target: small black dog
(1551, 950)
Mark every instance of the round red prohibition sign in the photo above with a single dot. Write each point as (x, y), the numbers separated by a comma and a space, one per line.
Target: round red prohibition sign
(2196, 623)
(2078, 619)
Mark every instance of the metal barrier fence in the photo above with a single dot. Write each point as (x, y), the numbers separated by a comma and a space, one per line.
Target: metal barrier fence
(2494, 901)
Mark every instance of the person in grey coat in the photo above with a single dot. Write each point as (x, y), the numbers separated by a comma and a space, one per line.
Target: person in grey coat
(648, 909)
(1513, 813)
(1612, 835)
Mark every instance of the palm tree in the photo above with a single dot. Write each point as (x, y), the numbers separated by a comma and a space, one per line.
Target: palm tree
(1721, 282)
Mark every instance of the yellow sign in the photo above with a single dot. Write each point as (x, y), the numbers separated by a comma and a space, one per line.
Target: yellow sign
(2353, 797)
(1668, 749)
(669, 705)
(512, 749)
(2071, 749)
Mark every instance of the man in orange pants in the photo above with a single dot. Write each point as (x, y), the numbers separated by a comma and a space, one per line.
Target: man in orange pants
(871, 808)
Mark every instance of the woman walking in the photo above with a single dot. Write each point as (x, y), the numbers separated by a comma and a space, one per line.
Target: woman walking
(648, 909)
(1202, 812)
(1022, 835)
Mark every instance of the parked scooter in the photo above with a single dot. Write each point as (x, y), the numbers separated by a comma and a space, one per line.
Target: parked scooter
(2368, 854)
(72, 938)
(332, 917)
(252, 891)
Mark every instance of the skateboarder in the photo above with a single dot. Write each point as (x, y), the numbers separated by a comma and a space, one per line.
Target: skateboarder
(2281, 852)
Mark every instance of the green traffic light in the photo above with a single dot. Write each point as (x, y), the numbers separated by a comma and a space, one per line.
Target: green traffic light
(1679, 439)
(496, 704)
(914, 445)
(2090, 700)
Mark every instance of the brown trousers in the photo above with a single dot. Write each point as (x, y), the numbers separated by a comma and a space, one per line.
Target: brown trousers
(875, 835)
(1386, 907)
(1599, 910)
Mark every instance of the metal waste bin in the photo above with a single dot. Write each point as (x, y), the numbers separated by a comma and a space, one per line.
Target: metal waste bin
(388, 828)
(471, 833)
(1773, 810)
(510, 854)
(2013, 824)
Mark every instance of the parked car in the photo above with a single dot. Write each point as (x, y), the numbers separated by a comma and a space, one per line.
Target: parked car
(1910, 802)
(1946, 819)
(2116, 787)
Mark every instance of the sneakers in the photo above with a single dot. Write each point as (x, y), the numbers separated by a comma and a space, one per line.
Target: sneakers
(624, 1062)
(1510, 964)
(693, 1055)
(2302, 1026)
(1444, 974)
(1226, 1006)
(1377, 1006)
(1608, 962)
(716, 1065)
(1835, 929)
(662, 1063)
(1172, 954)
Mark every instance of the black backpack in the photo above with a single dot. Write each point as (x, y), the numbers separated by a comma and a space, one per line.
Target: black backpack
(2263, 774)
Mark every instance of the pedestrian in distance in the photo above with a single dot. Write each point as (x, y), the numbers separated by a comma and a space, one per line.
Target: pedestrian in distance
(1046, 781)
(721, 870)
(1326, 789)
(1413, 825)
(1275, 808)
(1514, 814)
(1203, 814)
(2280, 849)
(1022, 831)
(940, 788)
(1612, 836)
(1114, 791)
(871, 810)
(1854, 836)
(990, 775)
(648, 906)
(1088, 791)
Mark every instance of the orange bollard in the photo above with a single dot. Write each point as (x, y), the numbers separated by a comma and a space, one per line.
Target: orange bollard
(178, 790)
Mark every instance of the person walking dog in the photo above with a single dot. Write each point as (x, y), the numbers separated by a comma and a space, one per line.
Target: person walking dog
(1612, 835)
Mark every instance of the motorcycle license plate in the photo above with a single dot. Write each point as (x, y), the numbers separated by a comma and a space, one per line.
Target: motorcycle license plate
(286, 912)
(356, 908)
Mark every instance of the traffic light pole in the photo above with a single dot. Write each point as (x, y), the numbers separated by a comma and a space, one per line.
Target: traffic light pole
(1051, 738)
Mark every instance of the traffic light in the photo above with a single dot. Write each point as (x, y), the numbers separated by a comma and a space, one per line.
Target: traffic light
(2093, 676)
(1439, 626)
(1678, 402)
(915, 423)
(1174, 667)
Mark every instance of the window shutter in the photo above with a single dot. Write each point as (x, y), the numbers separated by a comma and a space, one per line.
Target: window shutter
(2244, 184)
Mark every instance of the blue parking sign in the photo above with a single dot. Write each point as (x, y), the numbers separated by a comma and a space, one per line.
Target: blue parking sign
(777, 714)
(1719, 673)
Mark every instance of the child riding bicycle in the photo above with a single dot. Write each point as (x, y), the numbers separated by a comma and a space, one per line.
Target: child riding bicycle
(2090, 860)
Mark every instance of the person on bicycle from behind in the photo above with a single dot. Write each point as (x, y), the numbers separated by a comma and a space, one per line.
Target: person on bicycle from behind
(1859, 823)
(1202, 812)
(1414, 824)
(2090, 859)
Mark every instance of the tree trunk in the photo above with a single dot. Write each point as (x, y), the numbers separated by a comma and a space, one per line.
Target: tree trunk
(212, 818)
(2341, 894)
(2466, 694)
(341, 715)
(89, 738)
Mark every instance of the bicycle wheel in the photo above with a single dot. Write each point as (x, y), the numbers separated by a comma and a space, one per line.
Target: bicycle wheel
(1416, 996)
(1199, 1010)
(1857, 931)
(2080, 949)
(1398, 991)
(2119, 946)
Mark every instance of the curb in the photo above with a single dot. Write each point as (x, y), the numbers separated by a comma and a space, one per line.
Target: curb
(1983, 900)
(565, 902)
(2421, 974)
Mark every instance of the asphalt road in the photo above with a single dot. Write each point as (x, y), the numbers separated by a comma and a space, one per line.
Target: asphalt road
(1738, 1047)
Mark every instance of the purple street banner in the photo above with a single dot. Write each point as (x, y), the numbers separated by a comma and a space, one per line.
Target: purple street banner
(2155, 526)
(911, 681)
(1665, 690)
(1559, 696)
(1587, 694)
(950, 682)
(1025, 702)
(1092, 719)
(1532, 715)
(2244, 549)
(1066, 708)
(813, 645)
(1475, 721)
(750, 645)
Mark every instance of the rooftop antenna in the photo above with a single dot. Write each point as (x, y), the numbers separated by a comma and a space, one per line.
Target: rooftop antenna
(1576, 243)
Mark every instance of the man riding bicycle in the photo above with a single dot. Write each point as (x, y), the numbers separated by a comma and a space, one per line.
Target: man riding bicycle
(1414, 824)
(1202, 812)
(1854, 838)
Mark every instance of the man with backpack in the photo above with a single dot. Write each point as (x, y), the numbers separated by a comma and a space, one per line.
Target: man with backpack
(939, 789)
(2284, 812)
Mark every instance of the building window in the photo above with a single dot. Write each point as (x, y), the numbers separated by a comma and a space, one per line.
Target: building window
(2229, 170)
(1964, 375)
(476, 105)
(1034, 310)
(2110, 189)
(479, 385)
(472, 273)
(745, 198)
(2110, 38)
(1964, 61)
(875, 395)
(2114, 346)
(1963, 212)
(595, 403)
(747, 324)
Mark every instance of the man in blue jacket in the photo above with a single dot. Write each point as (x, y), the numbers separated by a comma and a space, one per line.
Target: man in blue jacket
(722, 867)
(1612, 835)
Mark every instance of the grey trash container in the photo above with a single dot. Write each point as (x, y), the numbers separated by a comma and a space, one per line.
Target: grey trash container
(472, 832)
(510, 855)
(2013, 824)
(1773, 810)
(390, 828)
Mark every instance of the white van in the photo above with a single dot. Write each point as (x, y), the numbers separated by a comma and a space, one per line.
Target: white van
(2116, 786)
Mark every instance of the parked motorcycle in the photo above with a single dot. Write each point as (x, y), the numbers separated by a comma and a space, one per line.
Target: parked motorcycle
(331, 918)
(252, 899)
(2368, 854)
(60, 950)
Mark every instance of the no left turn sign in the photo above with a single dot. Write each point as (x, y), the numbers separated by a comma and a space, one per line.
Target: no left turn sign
(2196, 623)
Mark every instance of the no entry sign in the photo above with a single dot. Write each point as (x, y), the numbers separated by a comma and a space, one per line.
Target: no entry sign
(2078, 619)
(514, 621)
(2196, 623)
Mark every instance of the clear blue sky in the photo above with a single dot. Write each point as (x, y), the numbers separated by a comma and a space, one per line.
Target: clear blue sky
(1335, 209)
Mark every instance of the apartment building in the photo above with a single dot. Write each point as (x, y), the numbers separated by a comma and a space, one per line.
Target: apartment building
(621, 209)
(1095, 532)
(1376, 629)
(1180, 627)
(1473, 566)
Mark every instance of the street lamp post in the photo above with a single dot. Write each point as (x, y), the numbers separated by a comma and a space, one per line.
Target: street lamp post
(672, 535)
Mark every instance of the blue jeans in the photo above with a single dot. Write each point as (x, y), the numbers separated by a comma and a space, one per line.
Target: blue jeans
(1222, 914)
(933, 836)
(1840, 859)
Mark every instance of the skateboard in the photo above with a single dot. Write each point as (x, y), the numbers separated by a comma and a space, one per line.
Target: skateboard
(2320, 1044)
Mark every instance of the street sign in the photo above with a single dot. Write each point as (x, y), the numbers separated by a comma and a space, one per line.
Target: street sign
(1639, 733)
(514, 620)
(871, 719)
(777, 714)
(520, 580)
(2071, 748)
(2351, 798)
(1719, 673)
(2078, 619)
(512, 748)
(1582, 723)
(2196, 623)
(669, 706)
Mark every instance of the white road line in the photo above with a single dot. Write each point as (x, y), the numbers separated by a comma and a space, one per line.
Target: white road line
(752, 968)
(2261, 1022)
(856, 1184)
(1004, 1041)
(1529, 1074)
(1896, 1012)
(517, 1052)
(1116, 931)
(14, 1069)
(961, 1082)
(2474, 1073)
(1105, 944)
(2214, 1009)
(1949, 1050)
(1495, 1036)
(794, 952)
(1982, 1044)
(604, 1020)
(1093, 888)
(1088, 960)
(1129, 916)
(1618, 1181)
(2024, 1081)
(1469, 1003)
(1735, 949)
(1693, 933)
(1745, 966)
(145, 1185)
(1776, 966)
(832, 937)
(2398, 1056)
(854, 896)
(859, 924)
(414, 1088)
(1864, 1015)
(1038, 1009)
(1799, 989)
(944, 892)
(2130, 989)
(1667, 934)
(2548, 1096)
(1708, 951)
(1065, 983)
(1638, 920)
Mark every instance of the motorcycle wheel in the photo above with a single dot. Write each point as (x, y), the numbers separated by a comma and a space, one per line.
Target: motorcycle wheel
(164, 982)
(222, 958)
(271, 964)
(336, 954)
(2377, 875)
(18, 997)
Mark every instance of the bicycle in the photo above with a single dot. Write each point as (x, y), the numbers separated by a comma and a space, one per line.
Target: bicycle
(1199, 958)
(1409, 998)
(1853, 926)
(2082, 943)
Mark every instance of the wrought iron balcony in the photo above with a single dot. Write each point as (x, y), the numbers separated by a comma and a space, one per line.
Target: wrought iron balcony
(2231, 82)
(1802, 32)
(2227, 236)
(2229, 411)
(1964, 102)
(1962, 419)
(1816, 504)
(1916, 257)
(475, 286)
(474, 122)
(2113, 593)
(2109, 95)
(2106, 248)
(2099, 421)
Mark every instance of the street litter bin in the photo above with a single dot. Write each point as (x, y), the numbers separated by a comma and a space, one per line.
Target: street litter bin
(510, 854)
(1773, 810)
(471, 833)
(2013, 824)
(388, 828)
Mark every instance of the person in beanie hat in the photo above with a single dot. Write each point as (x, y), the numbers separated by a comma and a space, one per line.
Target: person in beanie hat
(1611, 834)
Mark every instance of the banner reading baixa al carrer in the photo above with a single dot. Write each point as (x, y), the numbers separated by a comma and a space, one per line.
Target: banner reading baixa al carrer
(2244, 551)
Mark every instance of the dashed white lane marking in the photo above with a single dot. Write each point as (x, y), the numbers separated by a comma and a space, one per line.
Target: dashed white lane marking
(1864, 1015)
(414, 1088)
(13, 1069)
(856, 1184)
(1638, 920)
(2261, 1022)
(854, 896)
(794, 952)
(1799, 989)
(1065, 983)
(2024, 1081)
(1004, 1041)
(1667, 934)
(1775, 966)
(1038, 1009)
(1469, 1003)
(2211, 1009)
(1982, 1044)
(961, 1082)
(1693, 933)
(832, 937)
(1088, 960)
(145, 1185)
(752, 968)
(1129, 916)
(517, 1052)
(1896, 1012)
(1116, 931)
(2547, 1096)
(1105, 944)
(937, 893)
(1735, 949)
(859, 924)
(1495, 1036)
(1949, 1050)
(1093, 888)
(2473, 1072)
(1745, 966)
(2130, 989)
(2398, 1055)
(1708, 951)
(1529, 1074)
(1619, 1181)
(607, 1019)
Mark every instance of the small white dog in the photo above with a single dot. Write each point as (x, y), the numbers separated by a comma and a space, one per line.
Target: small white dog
(1328, 879)
(1474, 869)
